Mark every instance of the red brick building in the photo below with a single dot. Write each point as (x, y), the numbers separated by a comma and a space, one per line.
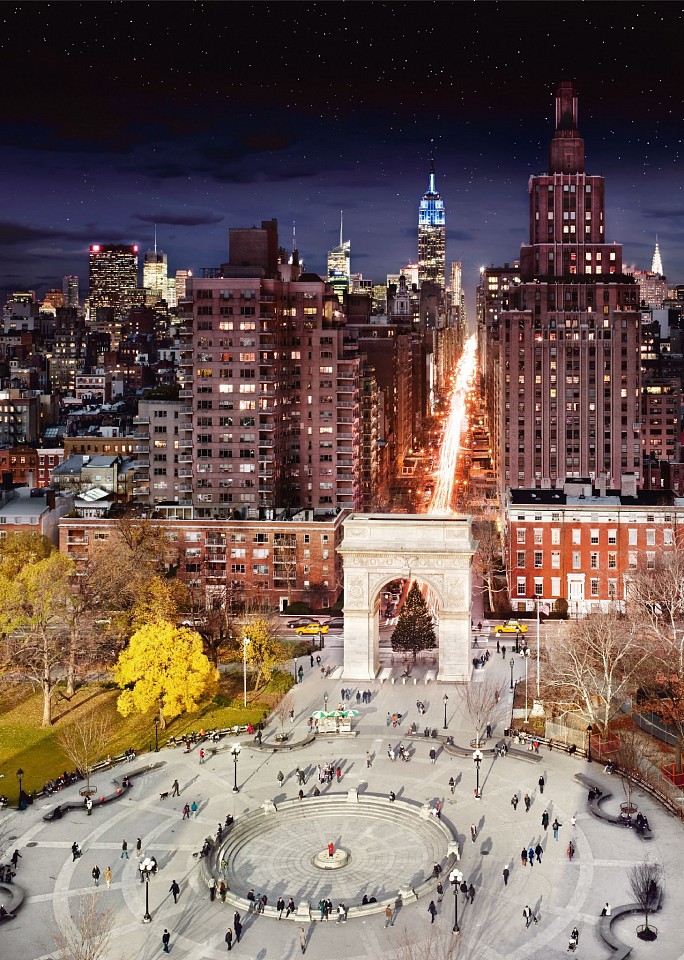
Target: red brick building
(581, 545)
(281, 560)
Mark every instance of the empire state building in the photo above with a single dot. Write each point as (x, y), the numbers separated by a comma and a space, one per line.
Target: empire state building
(432, 235)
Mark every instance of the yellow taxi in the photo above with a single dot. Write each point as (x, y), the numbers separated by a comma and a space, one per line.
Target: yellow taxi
(309, 628)
(511, 626)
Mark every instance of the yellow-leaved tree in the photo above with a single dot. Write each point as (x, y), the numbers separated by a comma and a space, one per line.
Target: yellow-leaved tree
(163, 666)
(264, 650)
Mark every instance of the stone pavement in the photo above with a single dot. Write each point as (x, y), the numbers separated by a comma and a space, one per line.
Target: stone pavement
(562, 893)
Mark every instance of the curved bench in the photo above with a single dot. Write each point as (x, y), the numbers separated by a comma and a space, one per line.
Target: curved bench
(11, 898)
(281, 747)
(622, 950)
(372, 805)
(600, 814)
(58, 811)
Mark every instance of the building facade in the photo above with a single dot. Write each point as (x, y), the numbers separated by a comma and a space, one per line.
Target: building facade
(569, 376)
(581, 545)
(113, 276)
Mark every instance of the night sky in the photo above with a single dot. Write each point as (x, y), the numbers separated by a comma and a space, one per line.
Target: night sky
(202, 116)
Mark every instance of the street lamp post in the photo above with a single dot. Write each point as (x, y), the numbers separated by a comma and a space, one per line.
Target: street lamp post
(245, 644)
(512, 665)
(20, 774)
(146, 868)
(589, 733)
(295, 670)
(455, 878)
(526, 654)
(325, 700)
(235, 753)
(156, 734)
(445, 701)
(478, 757)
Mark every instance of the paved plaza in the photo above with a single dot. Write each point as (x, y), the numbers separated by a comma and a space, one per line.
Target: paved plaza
(385, 852)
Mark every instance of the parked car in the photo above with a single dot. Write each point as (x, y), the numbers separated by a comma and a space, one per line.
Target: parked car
(511, 626)
(300, 622)
(337, 623)
(312, 628)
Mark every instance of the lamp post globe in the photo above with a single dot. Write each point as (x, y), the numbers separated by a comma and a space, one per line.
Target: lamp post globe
(590, 730)
(478, 757)
(445, 701)
(146, 868)
(235, 754)
(325, 699)
(455, 878)
(512, 665)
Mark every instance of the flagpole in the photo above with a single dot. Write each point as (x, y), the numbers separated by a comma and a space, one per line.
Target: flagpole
(537, 648)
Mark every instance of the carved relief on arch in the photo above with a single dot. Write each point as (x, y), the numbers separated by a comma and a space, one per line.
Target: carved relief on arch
(356, 589)
(456, 593)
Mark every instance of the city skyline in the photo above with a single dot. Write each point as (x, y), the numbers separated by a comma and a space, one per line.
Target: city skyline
(197, 124)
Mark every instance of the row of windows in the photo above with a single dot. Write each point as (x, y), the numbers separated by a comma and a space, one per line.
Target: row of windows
(594, 536)
(594, 560)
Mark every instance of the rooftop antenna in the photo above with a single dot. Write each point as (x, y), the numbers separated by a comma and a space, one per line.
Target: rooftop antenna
(294, 236)
(341, 222)
(155, 238)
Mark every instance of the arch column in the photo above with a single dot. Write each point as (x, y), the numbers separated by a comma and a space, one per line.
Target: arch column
(435, 549)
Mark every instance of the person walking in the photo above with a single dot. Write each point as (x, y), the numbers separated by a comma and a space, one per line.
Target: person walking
(541, 782)
(574, 937)
(528, 802)
(138, 847)
(506, 873)
(440, 892)
(223, 890)
(473, 832)
(201, 756)
(175, 789)
(545, 820)
(341, 913)
(464, 890)
(89, 806)
(539, 850)
(229, 938)
(389, 916)
(175, 890)
(514, 801)
(523, 856)
(193, 809)
(471, 892)
(432, 910)
(452, 784)
(96, 875)
(15, 858)
(433, 755)
(237, 926)
(212, 889)
(290, 908)
(311, 658)
(280, 778)
(530, 856)
(280, 906)
(555, 826)
(186, 812)
(124, 850)
(302, 939)
(369, 760)
(527, 914)
(573, 820)
(571, 850)
(166, 940)
(108, 876)
(503, 652)
(75, 851)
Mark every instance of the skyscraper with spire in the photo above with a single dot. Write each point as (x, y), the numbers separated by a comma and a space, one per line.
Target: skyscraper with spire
(339, 265)
(568, 380)
(432, 234)
(156, 276)
(657, 265)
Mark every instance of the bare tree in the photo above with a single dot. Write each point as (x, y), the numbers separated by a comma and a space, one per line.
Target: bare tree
(484, 703)
(84, 742)
(285, 556)
(631, 760)
(435, 945)
(645, 881)
(86, 935)
(594, 665)
(487, 559)
(283, 709)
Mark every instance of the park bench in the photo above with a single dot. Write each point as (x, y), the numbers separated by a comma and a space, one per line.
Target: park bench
(622, 950)
(600, 796)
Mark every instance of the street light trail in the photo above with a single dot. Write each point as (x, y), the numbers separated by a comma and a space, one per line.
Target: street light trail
(454, 429)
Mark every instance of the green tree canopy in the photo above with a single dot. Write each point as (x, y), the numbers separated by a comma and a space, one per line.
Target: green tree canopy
(414, 630)
(264, 650)
(163, 666)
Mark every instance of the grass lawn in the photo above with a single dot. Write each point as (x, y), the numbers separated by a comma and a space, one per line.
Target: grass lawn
(25, 745)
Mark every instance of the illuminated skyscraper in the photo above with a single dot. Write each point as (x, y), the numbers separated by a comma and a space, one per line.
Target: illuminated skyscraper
(182, 277)
(156, 279)
(339, 266)
(657, 265)
(113, 276)
(569, 375)
(432, 234)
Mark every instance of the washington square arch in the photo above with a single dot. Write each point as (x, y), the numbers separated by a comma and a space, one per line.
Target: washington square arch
(435, 550)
